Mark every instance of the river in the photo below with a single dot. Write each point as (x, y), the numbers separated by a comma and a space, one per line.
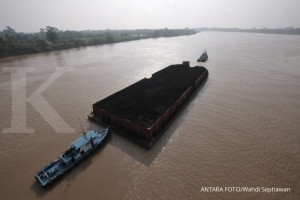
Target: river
(241, 129)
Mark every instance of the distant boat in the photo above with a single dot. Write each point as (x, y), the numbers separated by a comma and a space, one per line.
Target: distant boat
(80, 149)
(203, 57)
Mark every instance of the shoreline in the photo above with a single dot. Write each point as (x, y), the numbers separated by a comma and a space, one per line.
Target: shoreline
(278, 31)
(51, 39)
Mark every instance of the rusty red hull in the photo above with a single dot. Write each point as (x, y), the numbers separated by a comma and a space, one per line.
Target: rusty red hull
(143, 109)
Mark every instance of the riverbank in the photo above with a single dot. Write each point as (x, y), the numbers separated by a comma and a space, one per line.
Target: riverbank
(285, 31)
(14, 43)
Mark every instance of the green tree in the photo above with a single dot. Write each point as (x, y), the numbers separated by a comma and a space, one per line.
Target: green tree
(109, 37)
(51, 34)
(9, 31)
(4, 49)
(42, 45)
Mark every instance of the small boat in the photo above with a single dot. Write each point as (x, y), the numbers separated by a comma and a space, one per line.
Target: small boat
(203, 57)
(80, 149)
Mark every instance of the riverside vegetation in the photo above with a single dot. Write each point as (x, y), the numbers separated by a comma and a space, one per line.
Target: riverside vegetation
(287, 30)
(50, 38)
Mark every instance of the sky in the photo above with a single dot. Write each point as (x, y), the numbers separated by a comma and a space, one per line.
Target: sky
(31, 15)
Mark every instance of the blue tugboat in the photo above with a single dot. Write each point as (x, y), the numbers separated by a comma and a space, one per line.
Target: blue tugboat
(203, 57)
(80, 149)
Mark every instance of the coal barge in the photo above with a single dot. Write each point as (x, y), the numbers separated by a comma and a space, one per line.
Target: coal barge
(144, 108)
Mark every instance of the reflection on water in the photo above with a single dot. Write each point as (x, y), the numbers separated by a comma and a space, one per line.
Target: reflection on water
(240, 129)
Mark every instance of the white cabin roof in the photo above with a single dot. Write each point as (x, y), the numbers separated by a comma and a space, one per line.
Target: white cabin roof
(83, 139)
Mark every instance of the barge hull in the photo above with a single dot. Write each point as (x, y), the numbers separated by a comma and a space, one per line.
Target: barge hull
(144, 108)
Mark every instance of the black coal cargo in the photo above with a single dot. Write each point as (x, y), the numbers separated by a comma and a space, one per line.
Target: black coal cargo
(144, 108)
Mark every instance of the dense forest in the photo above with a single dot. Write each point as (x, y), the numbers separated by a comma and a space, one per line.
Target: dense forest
(50, 38)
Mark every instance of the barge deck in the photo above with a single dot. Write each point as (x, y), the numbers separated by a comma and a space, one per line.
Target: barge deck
(144, 108)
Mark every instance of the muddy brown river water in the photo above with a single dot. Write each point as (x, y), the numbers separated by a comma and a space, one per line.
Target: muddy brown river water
(241, 129)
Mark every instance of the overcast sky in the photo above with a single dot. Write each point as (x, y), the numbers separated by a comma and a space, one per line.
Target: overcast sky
(31, 15)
